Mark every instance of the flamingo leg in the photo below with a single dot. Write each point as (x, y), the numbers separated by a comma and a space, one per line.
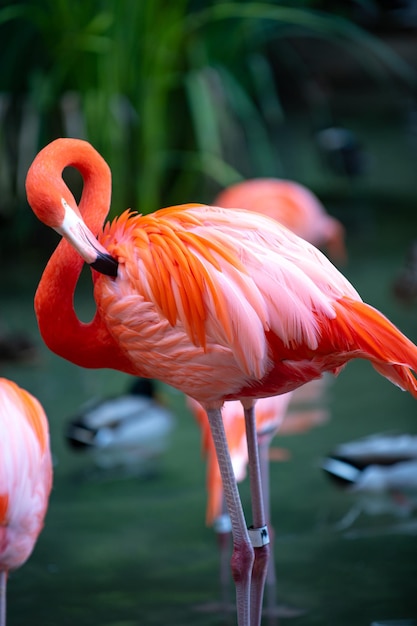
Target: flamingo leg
(3, 584)
(243, 553)
(271, 579)
(273, 610)
(259, 534)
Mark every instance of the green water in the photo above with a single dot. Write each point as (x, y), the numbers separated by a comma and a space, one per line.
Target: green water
(136, 551)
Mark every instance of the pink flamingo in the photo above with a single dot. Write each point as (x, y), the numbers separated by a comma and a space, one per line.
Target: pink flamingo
(25, 478)
(292, 204)
(221, 304)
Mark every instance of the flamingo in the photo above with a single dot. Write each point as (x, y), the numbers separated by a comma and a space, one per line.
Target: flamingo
(25, 478)
(221, 304)
(292, 204)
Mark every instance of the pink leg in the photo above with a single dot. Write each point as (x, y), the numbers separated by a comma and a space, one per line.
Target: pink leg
(243, 554)
(271, 580)
(260, 531)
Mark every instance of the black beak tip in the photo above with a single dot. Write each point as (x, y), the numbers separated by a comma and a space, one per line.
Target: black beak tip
(105, 264)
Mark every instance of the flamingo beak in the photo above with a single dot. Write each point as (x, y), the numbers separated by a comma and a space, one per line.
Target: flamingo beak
(105, 264)
(76, 232)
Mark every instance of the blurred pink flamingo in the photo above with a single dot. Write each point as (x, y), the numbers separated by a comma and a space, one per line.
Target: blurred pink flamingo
(25, 478)
(294, 206)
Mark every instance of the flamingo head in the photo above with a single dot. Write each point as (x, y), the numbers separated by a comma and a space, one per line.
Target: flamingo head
(55, 206)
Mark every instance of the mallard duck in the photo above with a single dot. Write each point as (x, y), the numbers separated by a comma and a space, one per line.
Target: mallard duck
(376, 463)
(129, 430)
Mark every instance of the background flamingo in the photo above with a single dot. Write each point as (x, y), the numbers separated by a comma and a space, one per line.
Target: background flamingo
(25, 478)
(221, 304)
(292, 204)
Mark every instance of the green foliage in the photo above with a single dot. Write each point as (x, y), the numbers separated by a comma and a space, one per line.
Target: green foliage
(179, 99)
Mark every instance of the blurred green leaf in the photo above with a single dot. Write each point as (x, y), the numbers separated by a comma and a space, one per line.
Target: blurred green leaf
(156, 79)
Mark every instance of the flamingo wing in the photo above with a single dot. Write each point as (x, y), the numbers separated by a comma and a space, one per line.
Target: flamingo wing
(219, 281)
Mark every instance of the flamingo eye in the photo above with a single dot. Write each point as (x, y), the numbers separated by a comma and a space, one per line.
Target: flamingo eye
(66, 206)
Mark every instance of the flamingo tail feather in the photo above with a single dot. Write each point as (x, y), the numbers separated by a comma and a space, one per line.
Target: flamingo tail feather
(379, 341)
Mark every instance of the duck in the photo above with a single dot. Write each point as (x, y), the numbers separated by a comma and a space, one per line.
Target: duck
(379, 462)
(381, 471)
(128, 431)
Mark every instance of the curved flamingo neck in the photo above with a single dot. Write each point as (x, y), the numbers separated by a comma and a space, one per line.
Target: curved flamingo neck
(85, 344)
